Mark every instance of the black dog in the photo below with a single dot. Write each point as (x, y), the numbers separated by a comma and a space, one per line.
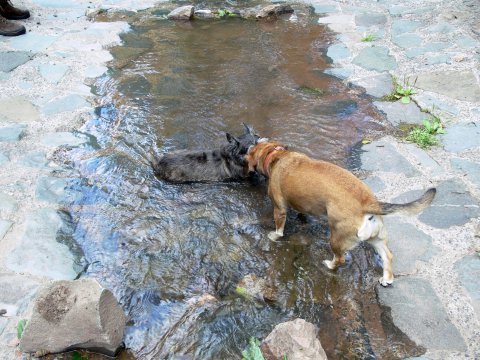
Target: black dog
(226, 163)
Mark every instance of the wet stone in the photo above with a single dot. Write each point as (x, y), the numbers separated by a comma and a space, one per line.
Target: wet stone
(407, 40)
(135, 86)
(418, 312)
(392, 161)
(460, 85)
(340, 73)
(7, 203)
(53, 73)
(64, 139)
(470, 168)
(453, 205)
(12, 133)
(375, 58)
(468, 269)
(398, 112)
(17, 291)
(56, 190)
(33, 42)
(408, 244)
(12, 59)
(461, 137)
(181, 13)
(338, 52)
(38, 251)
(18, 109)
(5, 225)
(370, 19)
(376, 86)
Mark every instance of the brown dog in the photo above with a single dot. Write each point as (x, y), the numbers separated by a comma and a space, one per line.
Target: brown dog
(318, 187)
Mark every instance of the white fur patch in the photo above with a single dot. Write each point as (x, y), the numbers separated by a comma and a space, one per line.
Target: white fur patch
(370, 227)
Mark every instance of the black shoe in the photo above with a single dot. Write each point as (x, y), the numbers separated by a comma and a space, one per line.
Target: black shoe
(8, 11)
(8, 28)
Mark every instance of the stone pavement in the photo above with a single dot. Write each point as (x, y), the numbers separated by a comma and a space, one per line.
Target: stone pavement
(431, 44)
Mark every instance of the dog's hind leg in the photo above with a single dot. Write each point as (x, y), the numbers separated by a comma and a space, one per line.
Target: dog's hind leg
(280, 216)
(379, 243)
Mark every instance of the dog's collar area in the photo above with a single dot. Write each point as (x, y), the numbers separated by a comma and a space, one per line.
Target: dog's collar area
(269, 158)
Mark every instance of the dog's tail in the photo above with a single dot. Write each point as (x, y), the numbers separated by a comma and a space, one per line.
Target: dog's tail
(413, 207)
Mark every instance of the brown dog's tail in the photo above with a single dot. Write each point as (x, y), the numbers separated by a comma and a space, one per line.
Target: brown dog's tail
(412, 207)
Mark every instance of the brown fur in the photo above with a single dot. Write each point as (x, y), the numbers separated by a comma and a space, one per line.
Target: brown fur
(319, 187)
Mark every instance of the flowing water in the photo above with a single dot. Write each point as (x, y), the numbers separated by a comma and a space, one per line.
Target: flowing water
(174, 254)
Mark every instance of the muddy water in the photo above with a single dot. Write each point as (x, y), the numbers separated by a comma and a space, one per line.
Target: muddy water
(174, 254)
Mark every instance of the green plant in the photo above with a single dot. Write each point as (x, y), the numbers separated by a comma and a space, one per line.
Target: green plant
(222, 13)
(400, 92)
(77, 356)
(20, 327)
(425, 135)
(253, 352)
(368, 38)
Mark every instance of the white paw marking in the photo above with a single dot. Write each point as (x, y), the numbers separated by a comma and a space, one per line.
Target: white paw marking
(384, 282)
(274, 236)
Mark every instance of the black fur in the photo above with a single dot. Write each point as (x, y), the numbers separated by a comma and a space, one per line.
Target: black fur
(226, 163)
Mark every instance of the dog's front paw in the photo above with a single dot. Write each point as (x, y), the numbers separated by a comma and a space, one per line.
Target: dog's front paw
(329, 264)
(274, 236)
(385, 282)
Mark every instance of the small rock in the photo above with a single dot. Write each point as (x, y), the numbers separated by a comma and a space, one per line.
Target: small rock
(74, 315)
(459, 57)
(295, 340)
(182, 13)
(274, 10)
(257, 288)
(204, 14)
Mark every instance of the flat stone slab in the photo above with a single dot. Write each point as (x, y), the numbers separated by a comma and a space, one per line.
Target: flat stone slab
(469, 168)
(56, 190)
(5, 225)
(375, 58)
(35, 159)
(338, 52)
(10, 60)
(382, 156)
(7, 203)
(398, 113)
(428, 47)
(468, 269)
(340, 73)
(460, 85)
(38, 251)
(376, 86)
(53, 73)
(418, 312)
(434, 104)
(453, 205)
(95, 71)
(18, 109)
(64, 139)
(461, 137)
(407, 41)
(375, 183)
(408, 244)
(424, 160)
(70, 102)
(32, 42)
(404, 26)
(370, 19)
(12, 133)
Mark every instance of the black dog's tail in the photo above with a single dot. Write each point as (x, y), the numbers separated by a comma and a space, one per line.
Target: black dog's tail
(413, 207)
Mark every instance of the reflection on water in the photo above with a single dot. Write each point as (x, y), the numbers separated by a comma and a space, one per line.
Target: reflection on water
(174, 254)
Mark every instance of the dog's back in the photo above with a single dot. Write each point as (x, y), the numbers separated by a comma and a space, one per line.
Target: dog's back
(226, 163)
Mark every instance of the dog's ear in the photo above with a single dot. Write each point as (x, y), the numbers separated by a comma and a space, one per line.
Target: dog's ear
(232, 139)
(249, 129)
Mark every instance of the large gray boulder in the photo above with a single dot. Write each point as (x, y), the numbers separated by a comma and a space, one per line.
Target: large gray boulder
(182, 13)
(74, 315)
(297, 340)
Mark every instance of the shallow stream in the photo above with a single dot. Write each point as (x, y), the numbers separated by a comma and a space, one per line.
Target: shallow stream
(174, 254)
